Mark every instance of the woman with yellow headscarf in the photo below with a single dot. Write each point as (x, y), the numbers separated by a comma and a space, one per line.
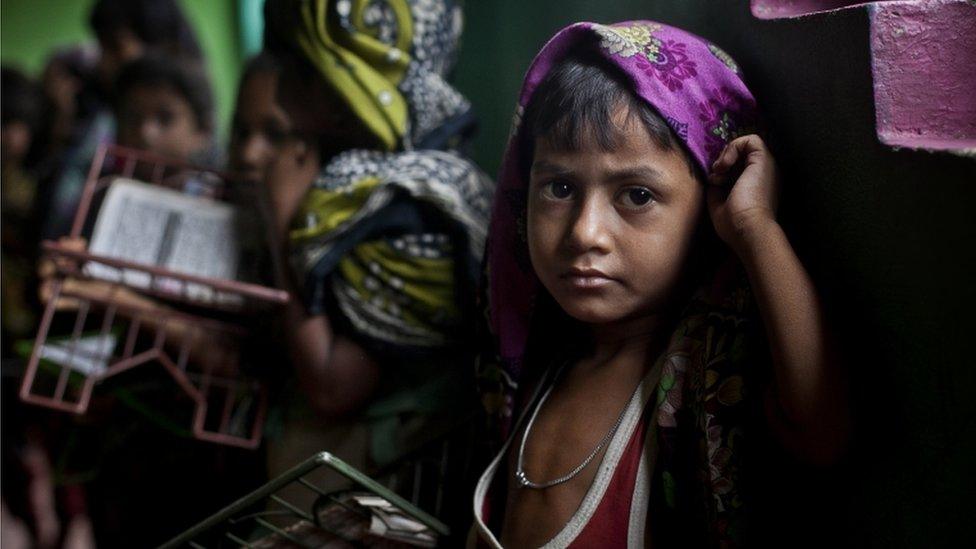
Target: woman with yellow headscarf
(384, 220)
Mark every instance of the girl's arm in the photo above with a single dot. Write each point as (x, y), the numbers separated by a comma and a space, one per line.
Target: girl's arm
(807, 401)
(336, 374)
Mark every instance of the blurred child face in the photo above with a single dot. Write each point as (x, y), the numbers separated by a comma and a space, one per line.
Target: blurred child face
(15, 142)
(609, 233)
(260, 126)
(158, 119)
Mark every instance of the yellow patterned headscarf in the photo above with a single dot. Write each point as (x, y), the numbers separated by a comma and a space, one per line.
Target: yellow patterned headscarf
(385, 58)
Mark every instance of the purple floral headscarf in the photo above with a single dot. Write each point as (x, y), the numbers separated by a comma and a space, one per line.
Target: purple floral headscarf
(693, 85)
(699, 411)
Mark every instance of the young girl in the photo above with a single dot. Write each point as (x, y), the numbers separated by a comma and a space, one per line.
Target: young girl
(624, 327)
(164, 105)
(260, 125)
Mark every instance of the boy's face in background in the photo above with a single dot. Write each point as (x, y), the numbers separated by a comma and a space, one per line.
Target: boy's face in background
(609, 233)
(160, 120)
(260, 126)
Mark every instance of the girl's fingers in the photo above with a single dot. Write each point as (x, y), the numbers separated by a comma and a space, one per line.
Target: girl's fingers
(726, 158)
(740, 147)
(76, 243)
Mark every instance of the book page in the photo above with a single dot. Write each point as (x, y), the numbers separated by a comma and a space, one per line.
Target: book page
(157, 226)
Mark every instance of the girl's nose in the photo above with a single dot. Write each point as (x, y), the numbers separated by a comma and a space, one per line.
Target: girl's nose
(256, 152)
(589, 230)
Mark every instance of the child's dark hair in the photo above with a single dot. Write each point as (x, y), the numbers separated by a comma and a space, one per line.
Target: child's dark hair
(577, 100)
(159, 24)
(264, 62)
(185, 78)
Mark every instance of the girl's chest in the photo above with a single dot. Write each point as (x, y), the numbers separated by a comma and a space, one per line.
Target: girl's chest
(553, 461)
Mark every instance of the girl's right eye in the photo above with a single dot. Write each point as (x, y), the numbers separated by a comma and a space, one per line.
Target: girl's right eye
(558, 190)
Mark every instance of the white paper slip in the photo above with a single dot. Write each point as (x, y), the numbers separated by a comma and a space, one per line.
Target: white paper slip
(89, 355)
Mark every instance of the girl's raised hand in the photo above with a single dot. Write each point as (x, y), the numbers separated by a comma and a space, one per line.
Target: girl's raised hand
(743, 191)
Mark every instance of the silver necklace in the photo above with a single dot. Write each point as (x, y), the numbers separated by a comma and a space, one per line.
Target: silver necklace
(520, 475)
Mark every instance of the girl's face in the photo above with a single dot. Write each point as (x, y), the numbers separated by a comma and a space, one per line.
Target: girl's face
(609, 233)
(159, 120)
(260, 126)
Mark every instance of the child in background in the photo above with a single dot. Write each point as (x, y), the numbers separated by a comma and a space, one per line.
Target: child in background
(165, 106)
(129, 29)
(126, 30)
(259, 129)
(260, 125)
(630, 349)
(21, 140)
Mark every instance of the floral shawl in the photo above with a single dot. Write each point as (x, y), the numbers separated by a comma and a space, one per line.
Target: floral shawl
(388, 60)
(697, 89)
(388, 242)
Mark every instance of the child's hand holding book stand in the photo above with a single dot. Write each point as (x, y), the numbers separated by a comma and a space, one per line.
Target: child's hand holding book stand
(156, 284)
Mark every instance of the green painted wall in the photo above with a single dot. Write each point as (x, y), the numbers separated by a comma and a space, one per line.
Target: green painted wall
(30, 29)
(216, 24)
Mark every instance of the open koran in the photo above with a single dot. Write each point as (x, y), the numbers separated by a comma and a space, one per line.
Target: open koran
(157, 226)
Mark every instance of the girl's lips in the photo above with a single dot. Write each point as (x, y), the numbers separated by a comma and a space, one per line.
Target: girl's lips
(585, 279)
(587, 282)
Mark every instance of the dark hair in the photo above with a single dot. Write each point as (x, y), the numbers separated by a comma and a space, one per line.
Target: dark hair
(185, 78)
(23, 100)
(576, 100)
(281, 18)
(160, 24)
(262, 63)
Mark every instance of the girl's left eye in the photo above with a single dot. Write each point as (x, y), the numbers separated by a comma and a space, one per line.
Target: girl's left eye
(635, 197)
